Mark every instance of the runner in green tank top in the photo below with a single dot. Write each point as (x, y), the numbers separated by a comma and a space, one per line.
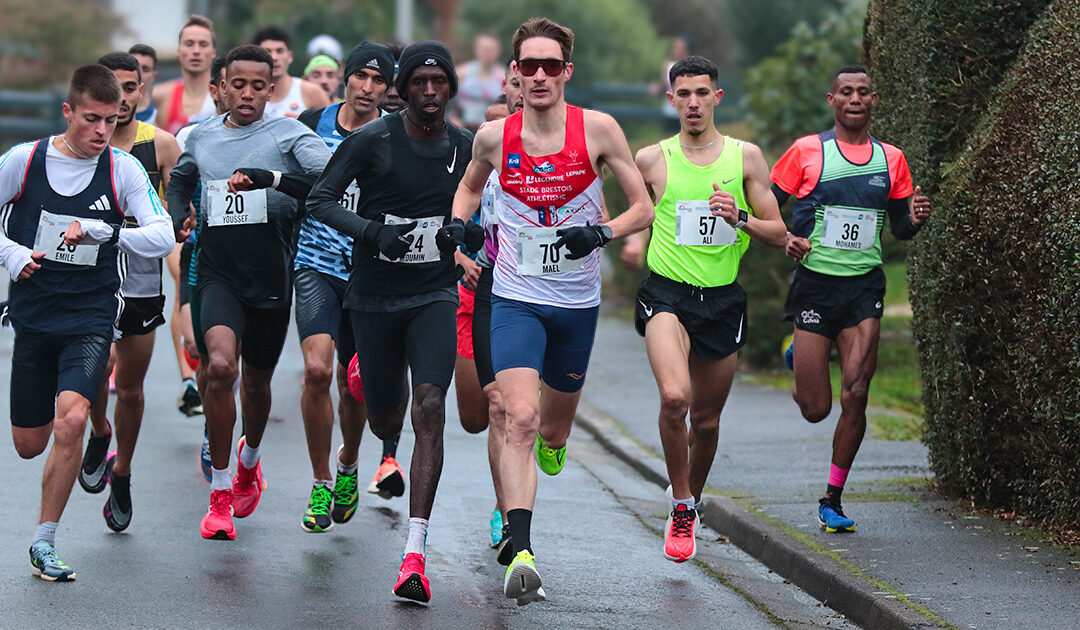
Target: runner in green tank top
(712, 196)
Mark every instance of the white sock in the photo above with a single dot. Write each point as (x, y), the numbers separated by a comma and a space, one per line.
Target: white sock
(45, 532)
(348, 470)
(689, 503)
(329, 483)
(222, 480)
(249, 456)
(417, 542)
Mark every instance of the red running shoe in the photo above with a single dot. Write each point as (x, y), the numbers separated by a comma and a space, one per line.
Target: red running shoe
(217, 524)
(680, 544)
(412, 584)
(247, 485)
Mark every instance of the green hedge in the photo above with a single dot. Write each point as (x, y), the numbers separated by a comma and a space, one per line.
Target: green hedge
(995, 277)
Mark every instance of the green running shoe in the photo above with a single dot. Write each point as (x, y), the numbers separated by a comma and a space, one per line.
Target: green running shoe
(45, 564)
(522, 580)
(317, 517)
(346, 496)
(550, 460)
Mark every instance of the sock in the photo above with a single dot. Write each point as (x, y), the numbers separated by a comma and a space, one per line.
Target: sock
(838, 475)
(121, 491)
(520, 522)
(46, 532)
(347, 470)
(697, 504)
(389, 447)
(689, 503)
(329, 483)
(249, 456)
(221, 480)
(417, 542)
(188, 381)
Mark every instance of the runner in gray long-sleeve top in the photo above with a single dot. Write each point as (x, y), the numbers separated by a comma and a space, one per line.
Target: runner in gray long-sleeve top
(247, 238)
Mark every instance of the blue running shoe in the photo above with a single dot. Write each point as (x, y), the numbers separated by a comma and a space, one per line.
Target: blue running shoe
(789, 351)
(496, 523)
(832, 519)
(204, 458)
(45, 564)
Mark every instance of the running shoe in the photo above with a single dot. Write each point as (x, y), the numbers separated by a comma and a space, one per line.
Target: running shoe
(788, 348)
(45, 564)
(205, 466)
(550, 460)
(346, 495)
(189, 403)
(832, 519)
(412, 584)
(496, 524)
(505, 549)
(92, 473)
(117, 509)
(680, 543)
(522, 580)
(217, 524)
(317, 516)
(247, 485)
(388, 481)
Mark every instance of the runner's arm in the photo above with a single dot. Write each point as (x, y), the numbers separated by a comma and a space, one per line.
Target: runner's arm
(15, 257)
(168, 152)
(152, 238)
(765, 224)
(184, 178)
(486, 144)
(353, 156)
(615, 154)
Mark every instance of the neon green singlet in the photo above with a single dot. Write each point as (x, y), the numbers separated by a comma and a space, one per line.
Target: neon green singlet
(690, 185)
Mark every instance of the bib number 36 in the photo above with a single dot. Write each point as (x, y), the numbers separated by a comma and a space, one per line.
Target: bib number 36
(848, 228)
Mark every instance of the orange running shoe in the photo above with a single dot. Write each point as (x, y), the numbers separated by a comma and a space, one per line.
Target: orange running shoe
(388, 481)
(412, 584)
(217, 524)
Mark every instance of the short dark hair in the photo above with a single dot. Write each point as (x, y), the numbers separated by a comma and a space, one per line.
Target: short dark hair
(499, 100)
(852, 69)
(248, 52)
(217, 67)
(94, 82)
(272, 33)
(692, 66)
(199, 20)
(121, 61)
(395, 49)
(144, 50)
(543, 27)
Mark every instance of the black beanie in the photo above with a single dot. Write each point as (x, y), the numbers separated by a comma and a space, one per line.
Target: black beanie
(368, 55)
(424, 53)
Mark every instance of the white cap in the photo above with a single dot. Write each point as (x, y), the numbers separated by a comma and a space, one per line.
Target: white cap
(324, 45)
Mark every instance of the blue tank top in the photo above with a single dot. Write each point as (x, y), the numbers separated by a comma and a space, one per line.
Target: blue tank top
(319, 246)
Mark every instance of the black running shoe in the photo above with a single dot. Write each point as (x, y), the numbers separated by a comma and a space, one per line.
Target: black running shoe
(117, 510)
(92, 473)
(505, 548)
(190, 403)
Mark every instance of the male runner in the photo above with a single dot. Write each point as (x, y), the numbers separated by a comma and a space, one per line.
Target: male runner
(546, 289)
(325, 72)
(292, 95)
(243, 256)
(186, 99)
(147, 58)
(401, 292)
(66, 197)
(844, 181)
(712, 196)
(322, 272)
(144, 304)
(392, 102)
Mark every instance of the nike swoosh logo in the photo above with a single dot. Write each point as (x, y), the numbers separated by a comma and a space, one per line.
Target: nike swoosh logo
(738, 335)
(148, 322)
(648, 309)
(450, 169)
(728, 181)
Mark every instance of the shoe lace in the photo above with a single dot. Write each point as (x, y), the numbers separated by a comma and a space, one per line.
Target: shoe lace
(345, 486)
(220, 502)
(682, 523)
(321, 496)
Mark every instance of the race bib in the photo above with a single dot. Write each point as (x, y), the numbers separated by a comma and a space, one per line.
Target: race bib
(50, 239)
(488, 213)
(239, 208)
(538, 256)
(696, 225)
(351, 199)
(846, 228)
(423, 249)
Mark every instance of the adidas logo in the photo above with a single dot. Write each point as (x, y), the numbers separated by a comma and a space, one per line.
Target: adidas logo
(101, 205)
(373, 63)
(430, 62)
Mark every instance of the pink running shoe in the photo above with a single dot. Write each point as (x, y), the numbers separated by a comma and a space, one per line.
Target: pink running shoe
(412, 584)
(217, 524)
(680, 543)
(247, 485)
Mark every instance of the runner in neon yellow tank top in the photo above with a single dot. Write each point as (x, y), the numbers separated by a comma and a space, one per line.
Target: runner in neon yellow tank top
(844, 181)
(712, 196)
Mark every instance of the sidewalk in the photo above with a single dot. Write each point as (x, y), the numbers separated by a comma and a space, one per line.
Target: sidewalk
(916, 560)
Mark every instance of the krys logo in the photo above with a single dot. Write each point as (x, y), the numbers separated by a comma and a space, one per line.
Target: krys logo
(546, 167)
(513, 160)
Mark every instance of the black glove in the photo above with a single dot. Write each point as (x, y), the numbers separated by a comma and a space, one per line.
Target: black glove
(581, 240)
(474, 237)
(450, 236)
(390, 240)
(260, 177)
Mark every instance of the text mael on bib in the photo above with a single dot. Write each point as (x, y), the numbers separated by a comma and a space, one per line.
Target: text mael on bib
(538, 256)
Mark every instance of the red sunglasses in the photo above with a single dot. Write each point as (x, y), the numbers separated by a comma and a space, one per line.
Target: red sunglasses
(552, 67)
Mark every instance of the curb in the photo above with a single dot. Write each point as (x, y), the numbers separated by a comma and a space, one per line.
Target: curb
(821, 576)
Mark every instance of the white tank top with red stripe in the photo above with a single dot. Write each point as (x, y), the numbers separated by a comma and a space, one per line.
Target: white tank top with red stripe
(538, 196)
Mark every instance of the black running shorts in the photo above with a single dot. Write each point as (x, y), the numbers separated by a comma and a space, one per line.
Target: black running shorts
(44, 365)
(319, 310)
(825, 305)
(141, 315)
(260, 331)
(714, 317)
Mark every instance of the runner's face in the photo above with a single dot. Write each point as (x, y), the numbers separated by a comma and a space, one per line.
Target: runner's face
(392, 102)
(541, 91)
(149, 70)
(853, 97)
(281, 54)
(429, 91)
(90, 125)
(131, 93)
(247, 88)
(512, 90)
(487, 50)
(694, 99)
(365, 90)
(327, 78)
(217, 93)
(196, 50)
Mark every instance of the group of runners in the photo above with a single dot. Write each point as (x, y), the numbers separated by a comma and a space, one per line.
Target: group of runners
(408, 251)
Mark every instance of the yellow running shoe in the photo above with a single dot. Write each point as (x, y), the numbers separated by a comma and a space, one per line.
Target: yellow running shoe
(550, 460)
(522, 580)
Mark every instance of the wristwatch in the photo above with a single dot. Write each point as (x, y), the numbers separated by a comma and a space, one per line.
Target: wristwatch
(743, 217)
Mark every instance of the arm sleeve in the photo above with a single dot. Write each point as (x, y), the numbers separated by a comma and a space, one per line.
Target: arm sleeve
(12, 171)
(182, 182)
(900, 220)
(352, 156)
(780, 194)
(152, 238)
